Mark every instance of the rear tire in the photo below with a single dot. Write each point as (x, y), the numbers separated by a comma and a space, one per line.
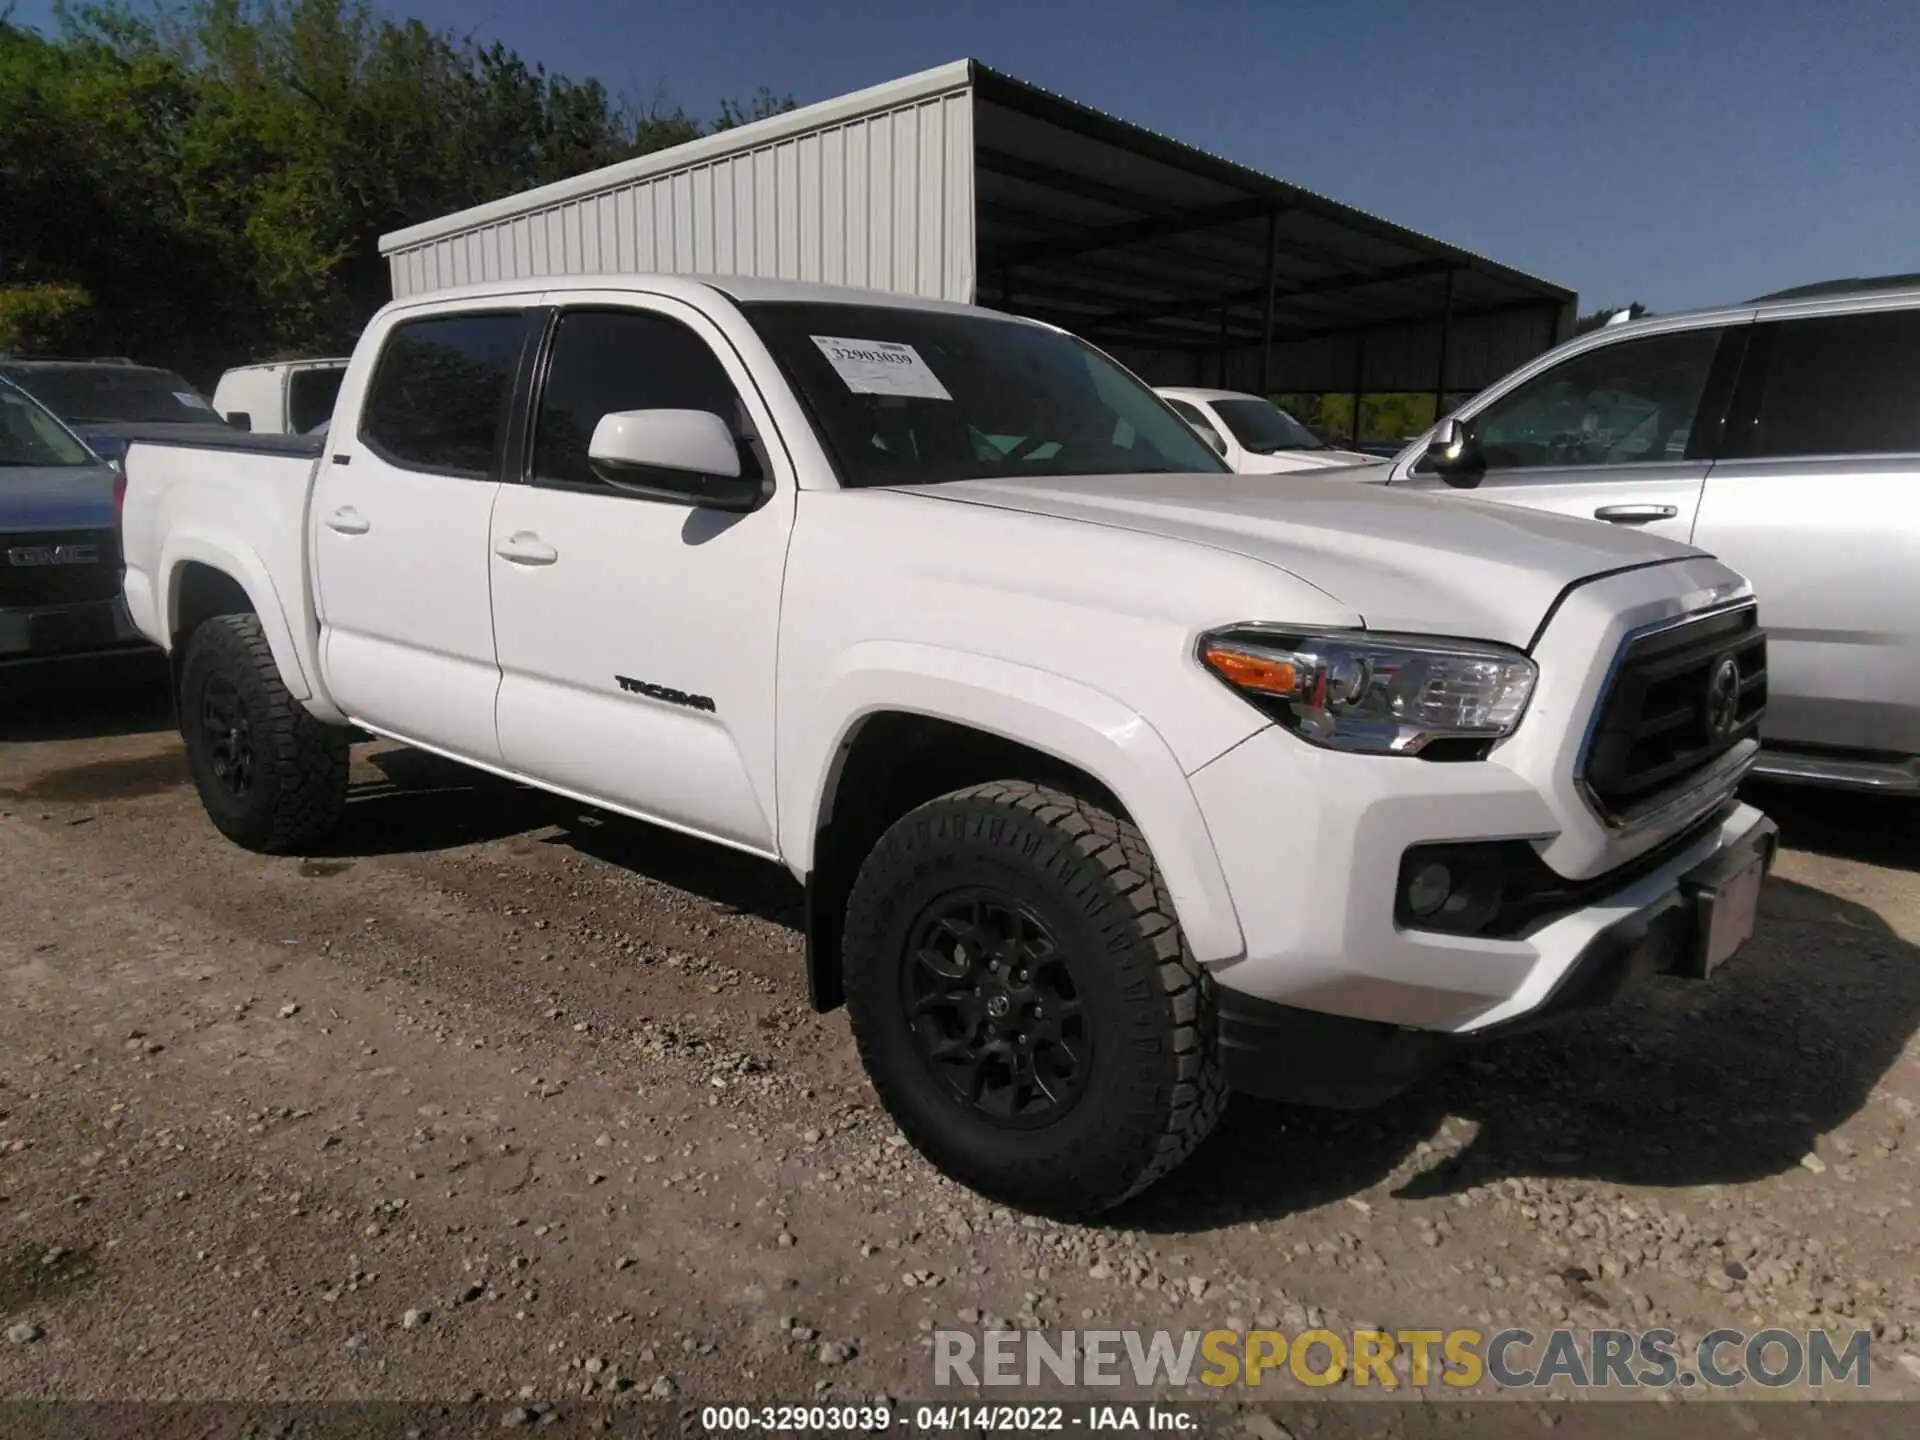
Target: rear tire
(1025, 1003)
(272, 777)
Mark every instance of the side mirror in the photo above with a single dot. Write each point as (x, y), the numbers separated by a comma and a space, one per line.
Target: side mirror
(240, 420)
(686, 457)
(1454, 456)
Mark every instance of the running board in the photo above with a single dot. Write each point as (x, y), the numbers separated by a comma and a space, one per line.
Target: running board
(1792, 767)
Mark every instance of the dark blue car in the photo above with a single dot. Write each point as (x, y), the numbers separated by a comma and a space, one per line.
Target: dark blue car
(59, 541)
(105, 402)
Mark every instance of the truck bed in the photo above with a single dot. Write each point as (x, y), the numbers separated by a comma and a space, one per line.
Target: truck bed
(236, 503)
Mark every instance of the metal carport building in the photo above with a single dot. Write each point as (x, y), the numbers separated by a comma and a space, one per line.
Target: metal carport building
(966, 184)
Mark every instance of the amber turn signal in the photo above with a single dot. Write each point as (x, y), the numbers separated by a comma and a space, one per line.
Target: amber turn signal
(1266, 674)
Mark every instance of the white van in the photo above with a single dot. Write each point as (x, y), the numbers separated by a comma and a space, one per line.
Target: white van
(288, 397)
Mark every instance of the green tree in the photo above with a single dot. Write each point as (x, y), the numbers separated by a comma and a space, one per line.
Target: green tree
(216, 174)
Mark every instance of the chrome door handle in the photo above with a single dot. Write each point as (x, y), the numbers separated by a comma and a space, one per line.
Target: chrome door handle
(523, 547)
(1635, 514)
(348, 521)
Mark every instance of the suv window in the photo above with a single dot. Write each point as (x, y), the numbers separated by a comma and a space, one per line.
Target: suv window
(439, 392)
(1842, 385)
(1616, 405)
(610, 360)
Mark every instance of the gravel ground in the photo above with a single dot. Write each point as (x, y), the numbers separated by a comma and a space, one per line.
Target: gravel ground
(497, 1100)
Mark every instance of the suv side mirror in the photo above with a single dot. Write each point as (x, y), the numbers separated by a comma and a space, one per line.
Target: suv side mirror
(686, 457)
(240, 420)
(1454, 455)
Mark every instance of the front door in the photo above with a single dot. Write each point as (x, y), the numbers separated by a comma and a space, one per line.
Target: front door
(1608, 434)
(636, 636)
(401, 516)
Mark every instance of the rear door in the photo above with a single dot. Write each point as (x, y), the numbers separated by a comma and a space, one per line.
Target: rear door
(1818, 503)
(402, 511)
(1621, 432)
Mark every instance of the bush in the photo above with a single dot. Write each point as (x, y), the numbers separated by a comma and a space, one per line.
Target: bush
(54, 319)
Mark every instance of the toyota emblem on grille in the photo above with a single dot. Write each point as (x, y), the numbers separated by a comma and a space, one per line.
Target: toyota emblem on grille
(1723, 698)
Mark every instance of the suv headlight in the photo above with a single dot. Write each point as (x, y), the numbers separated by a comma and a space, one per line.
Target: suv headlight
(1381, 694)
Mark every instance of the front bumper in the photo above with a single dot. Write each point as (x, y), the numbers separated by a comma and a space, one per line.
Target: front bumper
(36, 634)
(1284, 1052)
(1311, 841)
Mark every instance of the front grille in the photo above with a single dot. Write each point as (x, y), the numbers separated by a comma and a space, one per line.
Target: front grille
(1672, 708)
(29, 576)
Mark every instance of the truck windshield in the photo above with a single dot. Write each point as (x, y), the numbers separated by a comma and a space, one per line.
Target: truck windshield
(919, 397)
(1264, 428)
(31, 438)
(103, 394)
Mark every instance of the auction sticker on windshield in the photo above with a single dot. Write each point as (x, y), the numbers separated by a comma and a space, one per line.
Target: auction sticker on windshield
(881, 367)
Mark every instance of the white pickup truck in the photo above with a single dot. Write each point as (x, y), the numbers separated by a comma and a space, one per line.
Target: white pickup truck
(1115, 779)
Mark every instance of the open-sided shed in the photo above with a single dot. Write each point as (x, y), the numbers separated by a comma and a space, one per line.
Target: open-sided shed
(966, 184)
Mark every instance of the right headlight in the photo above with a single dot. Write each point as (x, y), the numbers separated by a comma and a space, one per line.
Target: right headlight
(1380, 694)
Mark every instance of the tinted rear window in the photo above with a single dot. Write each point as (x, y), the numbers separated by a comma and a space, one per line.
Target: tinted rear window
(439, 396)
(1843, 385)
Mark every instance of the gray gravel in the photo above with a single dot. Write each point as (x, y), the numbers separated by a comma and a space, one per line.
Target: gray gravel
(533, 1112)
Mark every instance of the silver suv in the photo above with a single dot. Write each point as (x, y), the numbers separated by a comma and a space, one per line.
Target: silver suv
(1782, 436)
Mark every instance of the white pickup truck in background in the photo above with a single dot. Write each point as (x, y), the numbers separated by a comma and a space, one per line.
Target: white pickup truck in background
(1114, 778)
(284, 397)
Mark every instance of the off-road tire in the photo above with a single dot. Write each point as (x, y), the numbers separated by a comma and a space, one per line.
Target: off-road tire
(1155, 1085)
(299, 764)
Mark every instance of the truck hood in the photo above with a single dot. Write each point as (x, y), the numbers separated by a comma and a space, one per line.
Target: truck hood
(1294, 461)
(1405, 562)
(65, 497)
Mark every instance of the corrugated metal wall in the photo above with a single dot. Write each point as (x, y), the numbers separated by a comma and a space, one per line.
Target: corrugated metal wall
(881, 201)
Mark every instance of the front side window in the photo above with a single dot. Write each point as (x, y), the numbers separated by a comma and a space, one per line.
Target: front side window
(919, 397)
(439, 392)
(1197, 418)
(604, 361)
(30, 438)
(1842, 385)
(1616, 405)
(100, 394)
(1264, 428)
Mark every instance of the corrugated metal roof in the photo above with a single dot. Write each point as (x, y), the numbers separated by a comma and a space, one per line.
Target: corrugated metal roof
(964, 183)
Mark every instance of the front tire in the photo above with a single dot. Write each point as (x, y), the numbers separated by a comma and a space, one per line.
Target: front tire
(272, 777)
(1024, 1001)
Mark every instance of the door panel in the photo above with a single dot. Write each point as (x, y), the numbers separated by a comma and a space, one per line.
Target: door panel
(401, 550)
(1833, 551)
(1620, 432)
(637, 638)
(1659, 499)
(1817, 501)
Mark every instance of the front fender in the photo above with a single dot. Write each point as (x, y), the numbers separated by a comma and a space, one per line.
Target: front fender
(241, 563)
(1068, 720)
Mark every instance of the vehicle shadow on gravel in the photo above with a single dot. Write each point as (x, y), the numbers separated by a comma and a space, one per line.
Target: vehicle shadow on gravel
(86, 699)
(1874, 829)
(422, 802)
(1678, 1085)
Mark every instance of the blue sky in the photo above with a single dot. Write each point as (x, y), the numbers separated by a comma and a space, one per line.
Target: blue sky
(1684, 153)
